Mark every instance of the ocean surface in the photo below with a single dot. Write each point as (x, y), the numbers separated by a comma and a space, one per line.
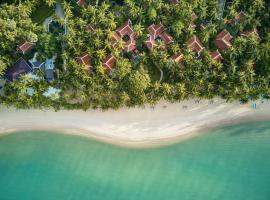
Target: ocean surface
(229, 163)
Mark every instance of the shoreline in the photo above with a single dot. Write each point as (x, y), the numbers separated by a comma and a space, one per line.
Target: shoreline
(136, 127)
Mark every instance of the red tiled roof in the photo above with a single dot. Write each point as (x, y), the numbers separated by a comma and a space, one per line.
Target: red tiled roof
(125, 29)
(216, 55)
(121, 32)
(166, 38)
(249, 33)
(84, 59)
(109, 62)
(223, 40)
(155, 30)
(130, 45)
(195, 44)
(150, 42)
(177, 57)
(81, 2)
(115, 38)
(25, 47)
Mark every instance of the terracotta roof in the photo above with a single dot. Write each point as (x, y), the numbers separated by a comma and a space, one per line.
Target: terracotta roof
(121, 32)
(115, 38)
(25, 47)
(109, 62)
(81, 2)
(249, 33)
(19, 68)
(130, 45)
(177, 57)
(150, 42)
(84, 59)
(223, 40)
(166, 38)
(216, 55)
(195, 44)
(125, 29)
(155, 30)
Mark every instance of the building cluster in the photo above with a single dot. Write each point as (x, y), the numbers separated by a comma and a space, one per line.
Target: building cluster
(126, 35)
(21, 66)
(157, 33)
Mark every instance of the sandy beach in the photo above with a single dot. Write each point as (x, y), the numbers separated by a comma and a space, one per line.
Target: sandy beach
(164, 123)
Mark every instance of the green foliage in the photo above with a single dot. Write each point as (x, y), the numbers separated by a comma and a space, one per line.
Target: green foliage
(243, 74)
(152, 14)
(15, 27)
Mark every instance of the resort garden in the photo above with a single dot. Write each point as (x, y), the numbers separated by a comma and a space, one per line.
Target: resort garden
(109, 54)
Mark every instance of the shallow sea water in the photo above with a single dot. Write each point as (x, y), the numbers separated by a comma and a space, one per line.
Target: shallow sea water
(229, 163)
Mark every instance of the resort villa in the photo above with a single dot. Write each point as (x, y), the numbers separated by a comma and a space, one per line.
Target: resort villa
(177, 58)
(85, 60)
(109, 62)
(223, 40)
(25, 47)
(216, 55)
(19, 68)
(195, 44)
(156, 32)
(125, 34)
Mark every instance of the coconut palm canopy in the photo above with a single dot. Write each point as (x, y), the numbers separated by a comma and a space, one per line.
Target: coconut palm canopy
(130, 45)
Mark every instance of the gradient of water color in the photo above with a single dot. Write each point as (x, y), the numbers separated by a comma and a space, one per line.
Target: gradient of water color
(230, 163)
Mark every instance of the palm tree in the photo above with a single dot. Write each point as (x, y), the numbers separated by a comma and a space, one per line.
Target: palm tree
(51, 2)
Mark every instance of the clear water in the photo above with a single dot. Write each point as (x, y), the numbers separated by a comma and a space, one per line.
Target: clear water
(231, 163)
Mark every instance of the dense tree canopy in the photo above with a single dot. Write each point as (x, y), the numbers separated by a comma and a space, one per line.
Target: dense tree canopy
(144, 77)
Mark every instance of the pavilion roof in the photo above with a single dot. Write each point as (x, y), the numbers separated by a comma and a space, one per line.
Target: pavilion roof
(157, 31)
(125, 29)
(84, 59)
(109, 62)
(216, 55)
(223, 40)
(150, 43)
(177, 58)
(250, 32)
(25, 47)
(195, 44)
(122, 31)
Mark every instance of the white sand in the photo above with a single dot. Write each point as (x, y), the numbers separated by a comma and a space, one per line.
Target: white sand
(136, 126)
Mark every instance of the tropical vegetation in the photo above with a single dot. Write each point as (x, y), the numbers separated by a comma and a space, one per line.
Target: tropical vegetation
(243, 74)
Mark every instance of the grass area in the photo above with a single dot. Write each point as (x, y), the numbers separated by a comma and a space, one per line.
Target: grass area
(41, 13)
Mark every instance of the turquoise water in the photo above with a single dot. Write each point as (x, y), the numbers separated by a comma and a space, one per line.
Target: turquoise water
(231, 163)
